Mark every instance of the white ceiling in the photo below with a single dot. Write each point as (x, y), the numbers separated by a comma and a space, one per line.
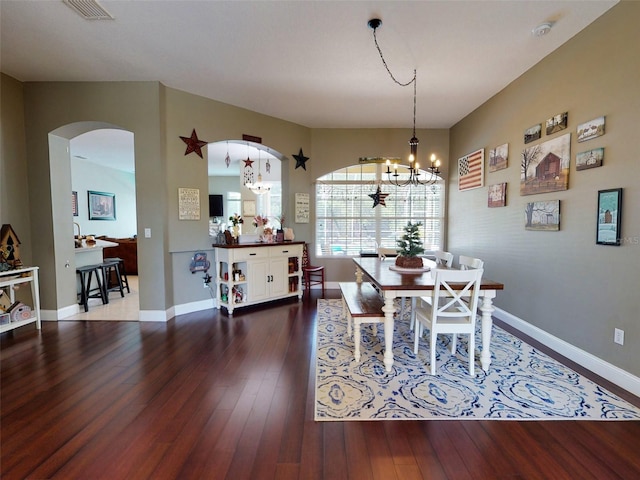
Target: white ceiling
(313, 63)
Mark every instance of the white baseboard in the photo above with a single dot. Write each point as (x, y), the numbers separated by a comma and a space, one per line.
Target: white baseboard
(194, 306)
(156, 315)
(614, 374)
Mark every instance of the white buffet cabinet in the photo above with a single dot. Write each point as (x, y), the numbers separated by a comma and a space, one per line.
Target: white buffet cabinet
(248, 274)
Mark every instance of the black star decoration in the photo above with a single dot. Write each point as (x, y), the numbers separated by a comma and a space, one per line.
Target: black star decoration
(193, 144)
(379, 197)
(300, 160)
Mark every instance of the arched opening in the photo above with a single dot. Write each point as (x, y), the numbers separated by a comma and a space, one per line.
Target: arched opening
(90, 158)
(233, 163)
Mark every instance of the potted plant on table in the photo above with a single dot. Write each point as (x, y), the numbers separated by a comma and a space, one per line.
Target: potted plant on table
(410, 247)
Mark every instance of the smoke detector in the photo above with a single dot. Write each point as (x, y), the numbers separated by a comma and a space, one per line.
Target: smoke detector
(542, 29)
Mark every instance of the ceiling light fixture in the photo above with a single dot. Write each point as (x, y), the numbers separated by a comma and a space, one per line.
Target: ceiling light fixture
(393, 176)
(259, 187)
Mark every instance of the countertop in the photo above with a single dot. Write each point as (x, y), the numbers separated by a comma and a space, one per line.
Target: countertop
(99, 245)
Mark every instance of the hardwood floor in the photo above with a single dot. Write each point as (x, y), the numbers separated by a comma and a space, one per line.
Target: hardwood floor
(212, 397)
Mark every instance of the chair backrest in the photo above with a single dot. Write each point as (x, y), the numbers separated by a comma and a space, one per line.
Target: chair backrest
(457, 292)
(386, 252)
(469, 262)
(443, 259)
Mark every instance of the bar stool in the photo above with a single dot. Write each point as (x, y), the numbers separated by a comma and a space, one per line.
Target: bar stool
(123, 273)
(86, 291)
(311, 274)
(110, 266)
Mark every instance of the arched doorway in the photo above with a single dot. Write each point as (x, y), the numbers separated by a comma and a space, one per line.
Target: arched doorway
(89, 157)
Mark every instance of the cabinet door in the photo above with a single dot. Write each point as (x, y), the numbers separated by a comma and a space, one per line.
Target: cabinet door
(279, 282)
(258, 285)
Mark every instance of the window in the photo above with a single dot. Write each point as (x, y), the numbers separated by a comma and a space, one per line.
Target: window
(347, 223)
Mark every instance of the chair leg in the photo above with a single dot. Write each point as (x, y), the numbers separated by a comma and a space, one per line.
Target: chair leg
(416, 337)
(472, 354)
(432, 351)
(454, 339)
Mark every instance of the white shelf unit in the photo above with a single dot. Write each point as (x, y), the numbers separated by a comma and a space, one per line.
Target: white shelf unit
(255, 273)
(9, 280)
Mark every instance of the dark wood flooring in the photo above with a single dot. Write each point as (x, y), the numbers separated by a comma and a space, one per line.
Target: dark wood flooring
(206, 396)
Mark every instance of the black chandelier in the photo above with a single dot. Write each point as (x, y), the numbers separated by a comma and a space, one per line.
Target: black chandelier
(413, 168)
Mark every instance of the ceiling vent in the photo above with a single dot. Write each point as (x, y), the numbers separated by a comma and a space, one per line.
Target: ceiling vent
(88, 9)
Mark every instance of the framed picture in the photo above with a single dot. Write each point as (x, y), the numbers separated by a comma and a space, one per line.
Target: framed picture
(591, 129)
(532, 134)
(542, 216)
(609, 217)
(102, 205)
(471, 170)
(557, 123)
(497, 196)
(590, 159)
(498, 157)
(74, 203)
(302, 208)
(248, 208)
(545, 166)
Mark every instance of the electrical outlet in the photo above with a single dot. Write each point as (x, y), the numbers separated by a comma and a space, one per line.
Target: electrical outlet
(618, 336)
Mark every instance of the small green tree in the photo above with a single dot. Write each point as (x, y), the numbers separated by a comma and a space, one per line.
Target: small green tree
(410, 244)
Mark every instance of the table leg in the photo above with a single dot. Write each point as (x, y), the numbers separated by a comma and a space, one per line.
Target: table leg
(388, 309)
(358, 275)
(487, 324)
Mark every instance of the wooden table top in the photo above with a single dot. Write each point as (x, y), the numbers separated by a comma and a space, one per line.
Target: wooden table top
(386, 279)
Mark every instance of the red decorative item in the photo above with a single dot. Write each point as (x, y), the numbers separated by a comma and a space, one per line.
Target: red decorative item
(193, 144)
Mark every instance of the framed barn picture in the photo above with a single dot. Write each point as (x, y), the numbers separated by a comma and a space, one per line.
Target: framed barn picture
(609, 218)
(544, 167)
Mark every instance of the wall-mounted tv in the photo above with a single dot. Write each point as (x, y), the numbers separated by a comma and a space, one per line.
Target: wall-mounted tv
(215, 206)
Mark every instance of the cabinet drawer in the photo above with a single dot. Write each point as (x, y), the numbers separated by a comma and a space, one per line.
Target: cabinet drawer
(249, 253)
(285, 251)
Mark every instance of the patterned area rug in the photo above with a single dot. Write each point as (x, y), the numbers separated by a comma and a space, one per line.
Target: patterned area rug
(522, 383)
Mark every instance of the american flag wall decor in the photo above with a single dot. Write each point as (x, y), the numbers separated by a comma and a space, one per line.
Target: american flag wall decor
(471, 170)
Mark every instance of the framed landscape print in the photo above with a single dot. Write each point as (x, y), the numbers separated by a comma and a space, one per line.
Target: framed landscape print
(532, 134)
(102, 205)
(591, 129)
(497, 196)
(544, 216)
(609, 217)
(590, 159)
(545, 167)
(557, 123)
(498, 157)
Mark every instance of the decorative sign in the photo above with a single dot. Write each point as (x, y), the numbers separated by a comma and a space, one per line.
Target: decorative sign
(471, 170)
(188, 204)
(302, 208)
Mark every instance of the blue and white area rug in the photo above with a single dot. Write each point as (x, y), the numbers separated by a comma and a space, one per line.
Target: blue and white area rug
(522, 383)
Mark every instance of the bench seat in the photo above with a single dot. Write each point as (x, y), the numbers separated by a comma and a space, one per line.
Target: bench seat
(361, 303)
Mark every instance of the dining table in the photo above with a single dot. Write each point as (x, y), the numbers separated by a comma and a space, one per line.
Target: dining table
(394, 282)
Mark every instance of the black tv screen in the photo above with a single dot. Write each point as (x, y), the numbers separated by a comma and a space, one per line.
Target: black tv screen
(215, 206)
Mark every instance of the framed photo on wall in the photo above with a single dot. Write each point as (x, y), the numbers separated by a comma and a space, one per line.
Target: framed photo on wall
(609, 217)
(102, 205)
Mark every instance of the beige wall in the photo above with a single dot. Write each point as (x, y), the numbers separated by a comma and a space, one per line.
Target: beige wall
(562, 282)
(338, 148)
(14, 188)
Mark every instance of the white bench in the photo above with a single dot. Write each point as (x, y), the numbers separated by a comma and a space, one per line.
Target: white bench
(361, 303)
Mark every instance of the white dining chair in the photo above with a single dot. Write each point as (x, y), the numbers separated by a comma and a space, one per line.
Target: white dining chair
(469, 262)
(455, 314)
(442, 259)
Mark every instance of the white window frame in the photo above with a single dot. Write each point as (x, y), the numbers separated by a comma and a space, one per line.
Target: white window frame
(347, 224)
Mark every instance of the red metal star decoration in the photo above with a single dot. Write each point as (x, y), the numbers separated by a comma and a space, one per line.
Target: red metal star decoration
(193, 144)
(248, 163)
(300, 160)
(379, 198)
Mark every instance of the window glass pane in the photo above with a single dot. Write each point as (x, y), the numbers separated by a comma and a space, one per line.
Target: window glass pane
(347, 223)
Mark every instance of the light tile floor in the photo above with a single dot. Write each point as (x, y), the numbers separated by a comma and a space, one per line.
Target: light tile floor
(118, 308)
